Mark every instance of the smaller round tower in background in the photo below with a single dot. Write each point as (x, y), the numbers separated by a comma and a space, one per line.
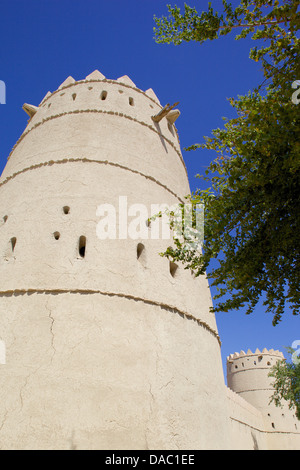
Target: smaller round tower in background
(248, 376)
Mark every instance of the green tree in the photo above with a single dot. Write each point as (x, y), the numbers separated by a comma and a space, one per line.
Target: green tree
(252, 216)
(287, 382)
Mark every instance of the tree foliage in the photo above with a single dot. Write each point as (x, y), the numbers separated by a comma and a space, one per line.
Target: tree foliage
(252, 215)
(287, 383)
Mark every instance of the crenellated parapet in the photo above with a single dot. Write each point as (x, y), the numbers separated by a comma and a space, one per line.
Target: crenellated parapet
(250, 360)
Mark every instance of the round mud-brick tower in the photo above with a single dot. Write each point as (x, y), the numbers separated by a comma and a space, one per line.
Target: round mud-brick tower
(248, 376)
(108, 344)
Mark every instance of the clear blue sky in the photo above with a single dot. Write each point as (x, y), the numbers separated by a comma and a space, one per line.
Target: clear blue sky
(42, 42)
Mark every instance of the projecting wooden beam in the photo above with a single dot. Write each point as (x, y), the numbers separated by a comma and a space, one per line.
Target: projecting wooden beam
(163, 112)
(30, 109)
